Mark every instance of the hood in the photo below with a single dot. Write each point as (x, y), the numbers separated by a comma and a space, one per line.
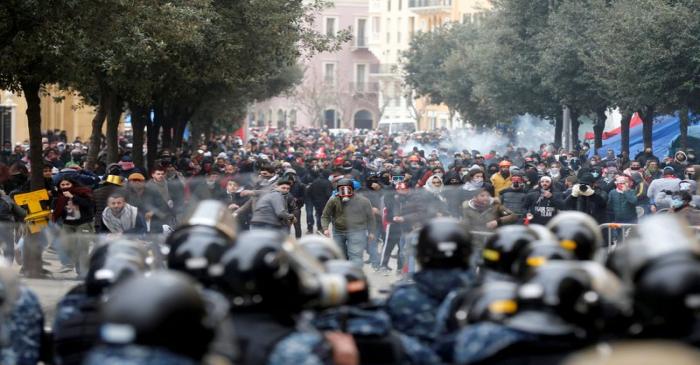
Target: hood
(429, 185)
(440, 282)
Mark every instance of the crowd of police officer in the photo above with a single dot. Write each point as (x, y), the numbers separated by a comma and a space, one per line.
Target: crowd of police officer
(531, 295)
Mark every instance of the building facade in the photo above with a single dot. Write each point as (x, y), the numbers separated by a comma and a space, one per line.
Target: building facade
(60, 110)
(393, 26)
(336, 91)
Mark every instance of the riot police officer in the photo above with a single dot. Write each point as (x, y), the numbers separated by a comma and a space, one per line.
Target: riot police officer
(158, 319)
(370, 327)
(195, 249)
(77, 322)
(443, 251)
(269, 280)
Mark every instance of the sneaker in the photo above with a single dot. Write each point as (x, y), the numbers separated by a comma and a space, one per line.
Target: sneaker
(309, 231)
(385, 271)
(66, 269)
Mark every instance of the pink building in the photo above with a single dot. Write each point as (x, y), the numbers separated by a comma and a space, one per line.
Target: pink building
(336, 91)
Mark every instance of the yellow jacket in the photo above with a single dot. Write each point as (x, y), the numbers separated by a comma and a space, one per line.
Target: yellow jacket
(499, 183)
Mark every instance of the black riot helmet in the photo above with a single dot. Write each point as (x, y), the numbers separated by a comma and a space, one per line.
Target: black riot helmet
(321, 247)
(569, 298)
(664, 274)
(537, 254)
(113, 263)
(196, 247)
(502, 249)
(164, 310)
(357, 283)
(577, 232)
(493, 301)
(444, 243)
(265, 269)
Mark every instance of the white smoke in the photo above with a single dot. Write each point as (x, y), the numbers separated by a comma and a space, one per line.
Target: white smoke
(531, 132)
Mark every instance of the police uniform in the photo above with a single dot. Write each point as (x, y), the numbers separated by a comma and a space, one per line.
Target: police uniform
(413, 307)
(301, 348)
(483, 340)
(26, 328)
(372, 331)
(135, 355)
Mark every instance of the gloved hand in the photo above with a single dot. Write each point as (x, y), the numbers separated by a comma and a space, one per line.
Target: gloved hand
(575, 192)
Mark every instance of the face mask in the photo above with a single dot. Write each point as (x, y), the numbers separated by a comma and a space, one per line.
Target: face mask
(554, 171)
(690, 176)
(478, 180)
(517, 185)
(464, 173)
(677, 203)
(414, 166)
(595, 174)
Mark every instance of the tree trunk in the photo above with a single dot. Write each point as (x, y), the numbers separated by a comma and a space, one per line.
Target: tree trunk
(31, 93)
(684, 126)
(113, 119)
(96, 136)
(575, 125)
(599, 128)
(625, 133)
(153, 130)
(32, 252)
(139, 118)
(648, 125)
(179, 132)
(558, 129)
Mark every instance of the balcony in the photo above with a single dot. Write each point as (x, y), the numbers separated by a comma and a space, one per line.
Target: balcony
(430, 6)
(384, 69)
(361, 42)
(364, 87)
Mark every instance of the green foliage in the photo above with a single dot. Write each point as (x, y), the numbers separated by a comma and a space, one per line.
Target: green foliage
(536, 56)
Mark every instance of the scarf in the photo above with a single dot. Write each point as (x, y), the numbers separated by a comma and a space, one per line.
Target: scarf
(62, 201)
(472, 185)
(121, 223)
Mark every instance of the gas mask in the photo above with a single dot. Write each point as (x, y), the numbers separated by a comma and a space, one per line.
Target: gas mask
(345, 193)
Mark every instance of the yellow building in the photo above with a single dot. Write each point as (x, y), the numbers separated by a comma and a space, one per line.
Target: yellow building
(430, 15)
(69, 114)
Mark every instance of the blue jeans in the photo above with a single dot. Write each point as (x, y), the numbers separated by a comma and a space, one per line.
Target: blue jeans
(352, 244)
(373, 249)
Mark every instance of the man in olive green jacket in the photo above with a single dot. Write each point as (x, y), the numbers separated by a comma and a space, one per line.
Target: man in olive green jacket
(353, 221)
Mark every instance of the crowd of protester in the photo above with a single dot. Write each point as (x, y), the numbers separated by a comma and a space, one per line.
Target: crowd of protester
(393, 185)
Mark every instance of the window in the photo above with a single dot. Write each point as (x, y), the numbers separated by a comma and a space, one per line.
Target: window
(388, 5)
(411, 28)
(329, 73)
(400, 4)
(376, 27)
(361, 33)
(331, 26)
(361, 77)
(388, 28)
(398, 30)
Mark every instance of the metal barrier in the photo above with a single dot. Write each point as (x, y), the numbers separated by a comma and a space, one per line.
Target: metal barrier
(617, 233)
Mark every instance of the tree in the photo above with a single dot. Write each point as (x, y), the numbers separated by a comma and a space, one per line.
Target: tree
(646, 56)
(563, 45)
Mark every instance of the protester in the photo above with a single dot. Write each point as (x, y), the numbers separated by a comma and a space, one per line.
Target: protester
(119, 217)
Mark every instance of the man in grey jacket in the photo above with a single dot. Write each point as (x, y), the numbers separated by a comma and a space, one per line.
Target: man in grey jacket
(661, 190)
(270, 211)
